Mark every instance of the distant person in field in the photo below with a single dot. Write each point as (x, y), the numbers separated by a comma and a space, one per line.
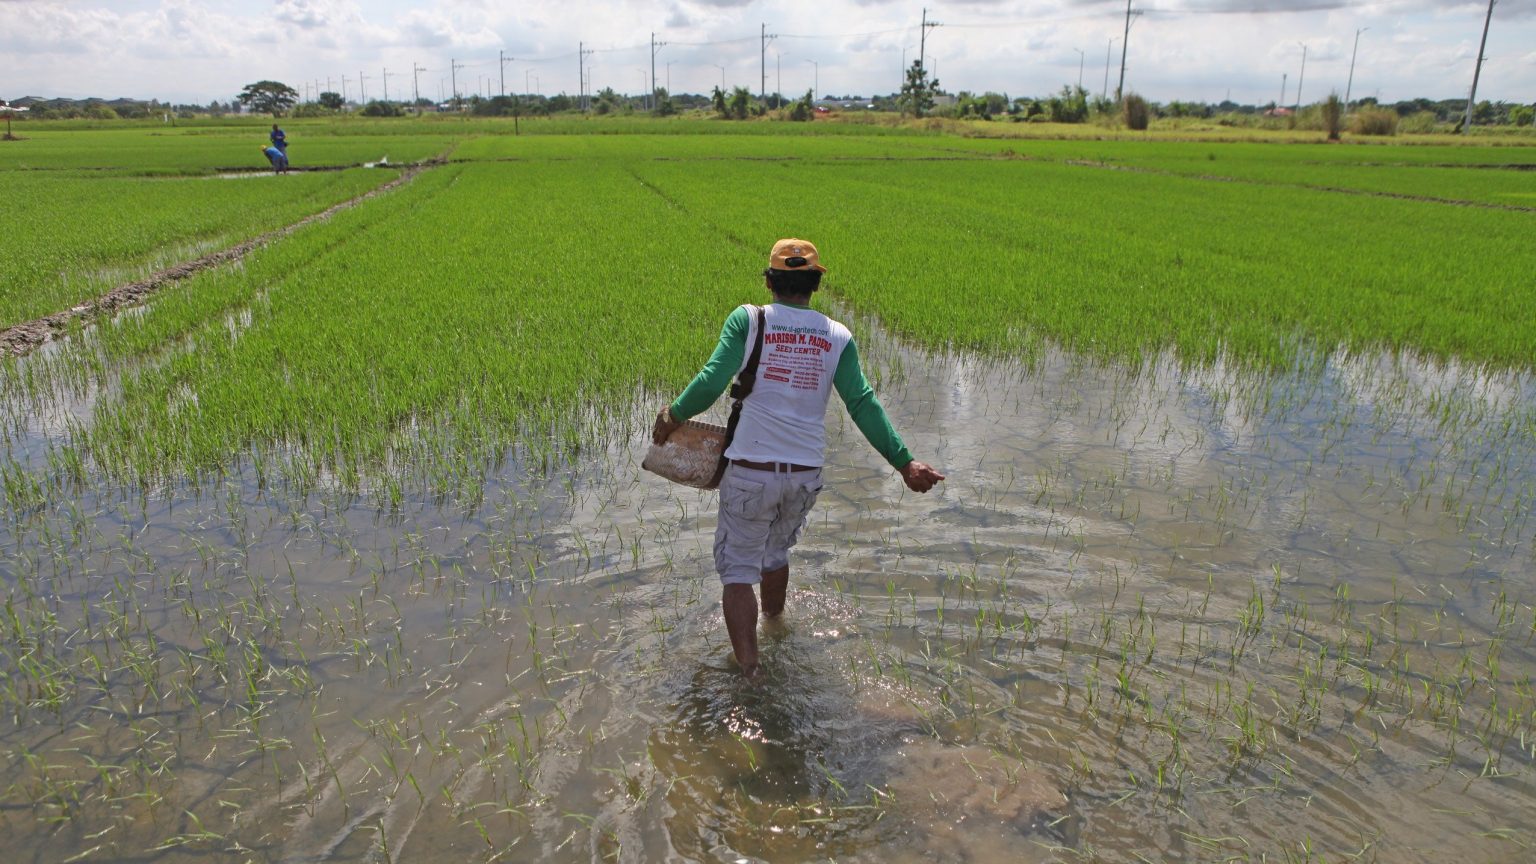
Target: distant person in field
(777, 453)
(278, 159)
(279, 139)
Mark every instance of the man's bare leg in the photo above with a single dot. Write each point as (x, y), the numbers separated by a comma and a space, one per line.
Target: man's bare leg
(775, 584)
(739, 603)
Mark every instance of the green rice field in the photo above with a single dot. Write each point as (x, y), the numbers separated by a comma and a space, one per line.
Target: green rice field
(338, 549)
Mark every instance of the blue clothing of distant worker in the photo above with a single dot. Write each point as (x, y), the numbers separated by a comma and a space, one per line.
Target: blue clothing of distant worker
(278, 159)
(279, 138)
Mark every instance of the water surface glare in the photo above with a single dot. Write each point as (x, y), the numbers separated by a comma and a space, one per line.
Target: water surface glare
(1156, 614)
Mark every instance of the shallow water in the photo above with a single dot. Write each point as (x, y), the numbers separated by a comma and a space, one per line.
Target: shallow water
(1158, 614)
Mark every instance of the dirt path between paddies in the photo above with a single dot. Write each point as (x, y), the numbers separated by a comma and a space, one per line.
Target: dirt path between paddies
(22, 338)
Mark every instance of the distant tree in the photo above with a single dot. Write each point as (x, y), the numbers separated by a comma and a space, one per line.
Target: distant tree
(268, 97)
(717, 101)
(559, 103)
(332, 101)
(607, 101)
(665, 107)
(918, 90)
(377, 108)
(498, 106)
(740, 104)
(1186, 109)
(1068, 106)
(804, 108)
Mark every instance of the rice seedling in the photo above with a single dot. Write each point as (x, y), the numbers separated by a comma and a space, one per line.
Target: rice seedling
(333, 555)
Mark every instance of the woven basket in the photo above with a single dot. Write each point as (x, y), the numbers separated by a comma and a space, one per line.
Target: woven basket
(690, 455)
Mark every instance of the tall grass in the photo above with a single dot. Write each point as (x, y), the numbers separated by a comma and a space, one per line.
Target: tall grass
(1333, 115)
(1373, 121)
(1136, 112)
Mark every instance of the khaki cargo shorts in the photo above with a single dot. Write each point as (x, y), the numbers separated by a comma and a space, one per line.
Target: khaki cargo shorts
(761, 514)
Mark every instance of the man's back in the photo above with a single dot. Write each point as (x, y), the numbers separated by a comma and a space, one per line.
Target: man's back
(784, 420)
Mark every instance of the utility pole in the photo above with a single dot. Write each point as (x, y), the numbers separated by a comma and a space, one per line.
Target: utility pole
(416, 82)
(816, 81)
(655, 46)
(504, 60)
(454, 66)
(1281, 103)
(922, 39)
(343, 90)
(922, 47)
(1080, 58)
(362, 94)
(386, 84)
(581, 57)
(1107, 49)
(762, 52)
(1351, 84)
(1466, 122)
(1125, 43)
(1300, 79)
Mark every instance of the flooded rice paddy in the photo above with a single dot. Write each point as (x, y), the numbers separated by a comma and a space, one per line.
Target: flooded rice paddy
(1154, 614)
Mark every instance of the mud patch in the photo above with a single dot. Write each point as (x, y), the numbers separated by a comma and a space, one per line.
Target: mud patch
(970, 803)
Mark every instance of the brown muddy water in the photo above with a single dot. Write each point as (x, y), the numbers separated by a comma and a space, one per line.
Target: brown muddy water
(1152, 615)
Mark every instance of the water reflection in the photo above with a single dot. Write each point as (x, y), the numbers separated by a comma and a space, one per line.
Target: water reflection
(1193, 611)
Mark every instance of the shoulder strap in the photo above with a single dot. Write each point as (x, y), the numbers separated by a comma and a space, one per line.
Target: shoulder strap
(739, 392)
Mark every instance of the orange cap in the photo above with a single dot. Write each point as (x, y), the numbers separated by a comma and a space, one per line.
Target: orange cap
(792, 254)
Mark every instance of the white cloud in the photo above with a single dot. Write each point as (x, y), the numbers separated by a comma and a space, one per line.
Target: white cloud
(196, 50)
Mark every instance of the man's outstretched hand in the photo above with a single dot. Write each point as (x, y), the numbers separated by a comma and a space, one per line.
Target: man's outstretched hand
(664, 427)
(919, 477)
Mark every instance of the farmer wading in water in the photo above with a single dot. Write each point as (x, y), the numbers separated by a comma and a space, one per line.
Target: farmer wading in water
(776, 456)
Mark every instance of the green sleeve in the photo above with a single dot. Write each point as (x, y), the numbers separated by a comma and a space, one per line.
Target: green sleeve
(866, 410)
(716, 375)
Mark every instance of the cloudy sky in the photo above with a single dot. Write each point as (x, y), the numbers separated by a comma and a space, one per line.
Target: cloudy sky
(1203, 50)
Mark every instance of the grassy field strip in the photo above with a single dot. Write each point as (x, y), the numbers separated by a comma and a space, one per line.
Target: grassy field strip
(1481, 175)
(1283, 156)
(1115, 265)
(1499, 188)
(705, 148)
(488, 337)
(136, 151)
(85, 235)
(1124, 263)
